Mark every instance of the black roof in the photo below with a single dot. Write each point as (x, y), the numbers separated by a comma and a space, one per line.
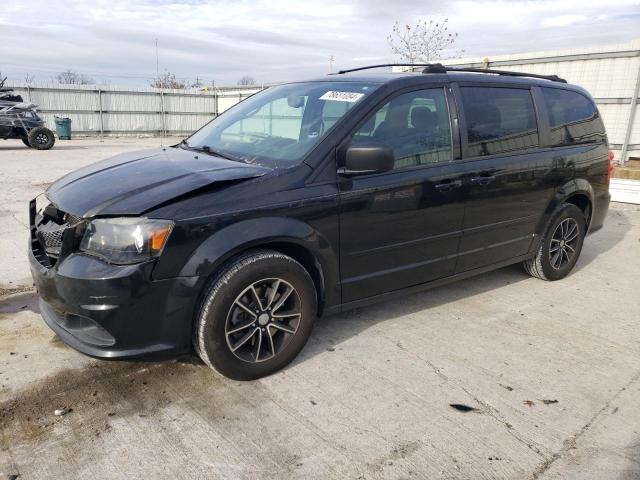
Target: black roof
(400, 79)
(439, 68)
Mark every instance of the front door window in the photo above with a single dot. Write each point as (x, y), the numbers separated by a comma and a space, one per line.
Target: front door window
(415, 125)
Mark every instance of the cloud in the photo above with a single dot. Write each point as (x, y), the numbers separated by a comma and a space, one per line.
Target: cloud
(113, 40)
(564, 20)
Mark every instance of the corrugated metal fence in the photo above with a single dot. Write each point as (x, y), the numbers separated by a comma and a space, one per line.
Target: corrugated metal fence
(107, 110)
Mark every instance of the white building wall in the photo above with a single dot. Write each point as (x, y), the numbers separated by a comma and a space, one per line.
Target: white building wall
(611, 73)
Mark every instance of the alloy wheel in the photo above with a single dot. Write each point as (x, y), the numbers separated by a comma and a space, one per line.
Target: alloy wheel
(263, 319)
(564, 243)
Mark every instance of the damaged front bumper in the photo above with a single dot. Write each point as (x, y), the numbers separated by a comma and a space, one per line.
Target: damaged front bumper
(111, 311)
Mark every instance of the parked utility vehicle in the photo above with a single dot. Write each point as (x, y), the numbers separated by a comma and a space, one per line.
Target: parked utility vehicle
(20, 120)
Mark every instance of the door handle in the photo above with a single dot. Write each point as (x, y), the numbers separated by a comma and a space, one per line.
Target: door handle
(448, 185)
(483, 180)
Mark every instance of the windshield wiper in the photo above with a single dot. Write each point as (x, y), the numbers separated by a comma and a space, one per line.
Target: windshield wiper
(207, 149)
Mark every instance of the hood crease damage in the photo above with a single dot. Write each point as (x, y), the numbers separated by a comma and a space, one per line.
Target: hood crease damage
(136, 182)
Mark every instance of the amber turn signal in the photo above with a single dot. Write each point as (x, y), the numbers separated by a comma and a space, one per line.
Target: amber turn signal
(158, 238)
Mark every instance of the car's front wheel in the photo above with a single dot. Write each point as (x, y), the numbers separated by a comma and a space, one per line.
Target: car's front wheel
(560, 246)
(256, 315)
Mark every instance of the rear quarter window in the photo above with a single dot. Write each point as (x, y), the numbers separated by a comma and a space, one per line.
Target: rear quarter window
(498, 120)
(573, 118)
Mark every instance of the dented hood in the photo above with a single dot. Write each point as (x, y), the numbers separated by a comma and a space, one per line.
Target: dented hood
(134, 182)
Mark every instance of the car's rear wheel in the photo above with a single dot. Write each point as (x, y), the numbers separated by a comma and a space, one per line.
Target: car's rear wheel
(26, 141)
(41, 138)
(560, 246)
(256, 315)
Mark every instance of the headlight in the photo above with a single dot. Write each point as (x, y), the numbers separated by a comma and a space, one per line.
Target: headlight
(126, 240)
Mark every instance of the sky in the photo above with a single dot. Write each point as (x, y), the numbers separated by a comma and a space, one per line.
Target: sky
(113, 41)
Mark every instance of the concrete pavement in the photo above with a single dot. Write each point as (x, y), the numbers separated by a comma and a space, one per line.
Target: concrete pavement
(551, 372)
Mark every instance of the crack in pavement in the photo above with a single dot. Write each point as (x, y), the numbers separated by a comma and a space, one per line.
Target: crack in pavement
(496, 415)
(9, 212)
(570, 443)
(436, 370)
(488, 408)
(429, 363)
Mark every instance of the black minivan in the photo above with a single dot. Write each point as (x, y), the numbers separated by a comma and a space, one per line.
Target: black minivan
(315, 197)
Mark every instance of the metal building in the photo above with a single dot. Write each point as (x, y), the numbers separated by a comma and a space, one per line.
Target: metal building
(611, 73)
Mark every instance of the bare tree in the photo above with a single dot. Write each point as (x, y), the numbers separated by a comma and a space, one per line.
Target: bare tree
(168, 80)
(247, 81)
(69, 77)
(29, 78)
(423, 42)
(197, 83)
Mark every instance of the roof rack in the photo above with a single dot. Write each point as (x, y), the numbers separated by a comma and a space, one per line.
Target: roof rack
(340, 72)
(439, 68)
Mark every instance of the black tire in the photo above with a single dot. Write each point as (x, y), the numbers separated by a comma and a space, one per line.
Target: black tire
(41, 138)
(558, 253)
(267, 275)
(26, 141)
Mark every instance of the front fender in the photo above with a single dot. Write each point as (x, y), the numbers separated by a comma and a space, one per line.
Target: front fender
(260, 232)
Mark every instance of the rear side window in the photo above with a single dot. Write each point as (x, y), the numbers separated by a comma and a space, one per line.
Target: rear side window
(573, 117)
(498, 120)
(415, 125)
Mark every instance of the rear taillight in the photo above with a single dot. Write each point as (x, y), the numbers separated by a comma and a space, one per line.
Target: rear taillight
(610, 167)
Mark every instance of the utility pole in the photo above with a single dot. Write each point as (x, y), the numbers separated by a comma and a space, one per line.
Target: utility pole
(632, 115)
(162, 115)
(157, 67)
(331, 60)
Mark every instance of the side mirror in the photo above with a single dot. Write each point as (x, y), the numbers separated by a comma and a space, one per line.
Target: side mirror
(367, 157)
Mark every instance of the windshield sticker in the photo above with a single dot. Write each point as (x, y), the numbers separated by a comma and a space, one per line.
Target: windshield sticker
(351, 97)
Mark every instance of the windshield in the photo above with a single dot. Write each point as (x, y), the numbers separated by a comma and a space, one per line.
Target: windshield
(277, 127)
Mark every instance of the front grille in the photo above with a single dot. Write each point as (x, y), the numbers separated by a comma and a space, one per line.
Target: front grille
(72, 220)
(51, 227)
(51, 236)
